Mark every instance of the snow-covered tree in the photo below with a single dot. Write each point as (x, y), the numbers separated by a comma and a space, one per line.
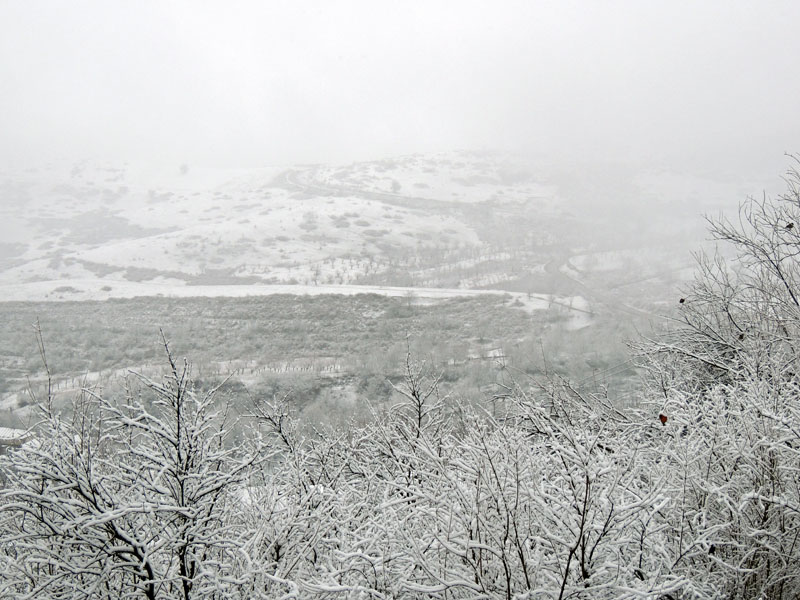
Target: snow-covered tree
(726, 380)
(126, 498)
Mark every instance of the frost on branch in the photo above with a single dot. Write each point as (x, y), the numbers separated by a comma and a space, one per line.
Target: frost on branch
(126, 498)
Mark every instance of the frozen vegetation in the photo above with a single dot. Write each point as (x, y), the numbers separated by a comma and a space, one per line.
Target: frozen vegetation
(168, 488)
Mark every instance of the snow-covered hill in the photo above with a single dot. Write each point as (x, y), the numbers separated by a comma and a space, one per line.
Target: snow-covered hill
(457, 221)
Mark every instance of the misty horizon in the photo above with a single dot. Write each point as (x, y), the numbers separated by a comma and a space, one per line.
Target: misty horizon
(673, 85)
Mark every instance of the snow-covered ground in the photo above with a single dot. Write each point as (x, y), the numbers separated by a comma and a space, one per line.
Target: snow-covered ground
(94, 231)
(92, 289)
(451, 177)
(67, 224)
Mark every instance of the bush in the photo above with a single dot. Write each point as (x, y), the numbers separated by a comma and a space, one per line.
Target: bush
(126, 499)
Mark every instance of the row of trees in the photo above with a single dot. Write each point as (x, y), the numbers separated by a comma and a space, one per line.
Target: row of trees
(695, 494)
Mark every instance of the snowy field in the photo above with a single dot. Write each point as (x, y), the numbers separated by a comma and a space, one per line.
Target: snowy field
(436, 225)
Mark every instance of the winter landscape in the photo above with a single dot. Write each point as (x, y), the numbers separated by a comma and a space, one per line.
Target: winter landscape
(464, 256)
(362, 301)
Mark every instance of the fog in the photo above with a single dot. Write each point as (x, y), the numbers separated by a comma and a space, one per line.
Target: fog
(709, 85)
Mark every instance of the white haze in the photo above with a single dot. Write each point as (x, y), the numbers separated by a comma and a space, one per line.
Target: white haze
(709, 85)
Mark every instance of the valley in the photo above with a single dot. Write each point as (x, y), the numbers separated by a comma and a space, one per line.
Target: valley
(113, 253)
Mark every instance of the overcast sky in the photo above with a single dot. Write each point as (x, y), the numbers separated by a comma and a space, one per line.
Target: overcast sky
(265, 82)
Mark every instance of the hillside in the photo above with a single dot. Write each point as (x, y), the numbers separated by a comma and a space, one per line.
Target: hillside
(456, 221)
(450, 239)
